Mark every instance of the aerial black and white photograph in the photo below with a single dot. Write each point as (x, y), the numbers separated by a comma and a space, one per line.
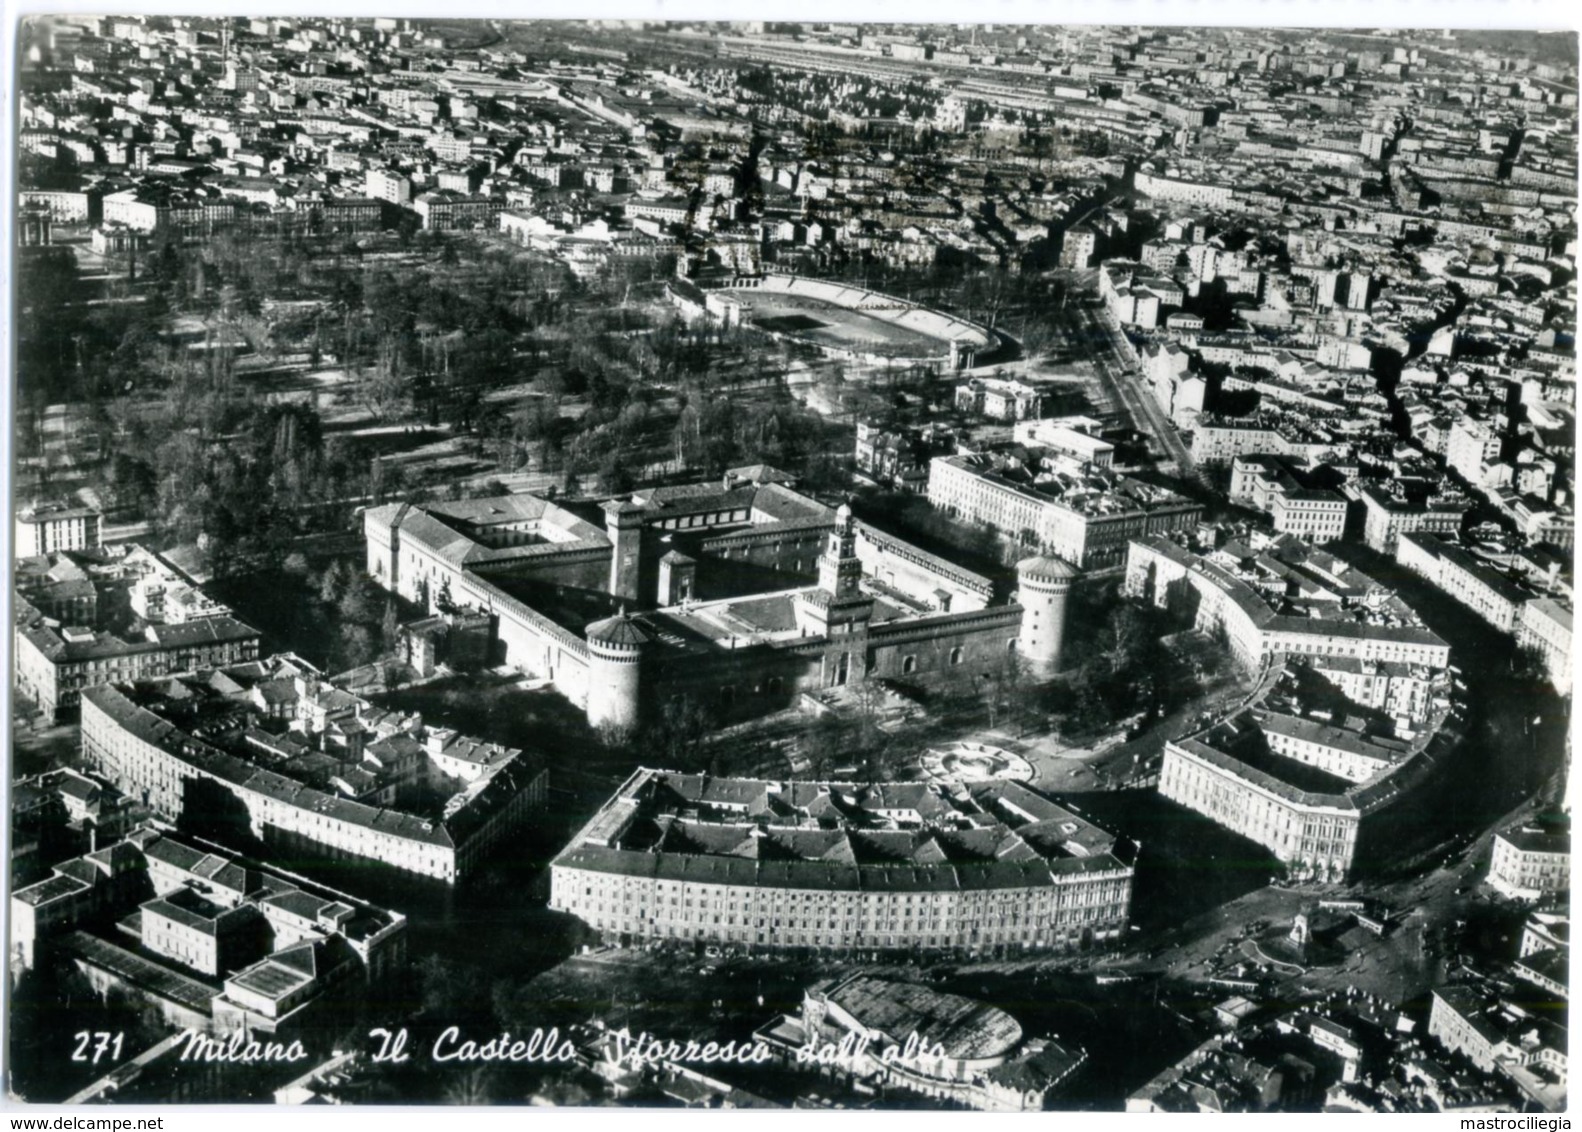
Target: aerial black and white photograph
(776, 564)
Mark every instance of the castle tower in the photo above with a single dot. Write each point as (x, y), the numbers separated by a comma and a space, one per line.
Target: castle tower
(837, 608)
(623, 522)
(384, 555)
(839, 571)
(677, 578)
(615, 669)
(1044, 584)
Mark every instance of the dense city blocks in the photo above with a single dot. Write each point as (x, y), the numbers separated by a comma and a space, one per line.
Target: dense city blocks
(790, 563)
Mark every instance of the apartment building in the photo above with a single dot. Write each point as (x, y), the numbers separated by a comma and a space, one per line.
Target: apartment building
(1389, 513)
(311, 801)
(1529, 862)
(1161, 571)
(47, 529)
(55, 665)
(1476, 584)
(1544, 624)
(1312, 515)
(829, 867)
(388, 185)
(1087, 520)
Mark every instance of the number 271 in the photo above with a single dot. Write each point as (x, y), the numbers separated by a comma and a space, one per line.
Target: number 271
(102, 1043)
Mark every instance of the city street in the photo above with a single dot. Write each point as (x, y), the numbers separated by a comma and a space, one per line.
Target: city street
(1121, 375)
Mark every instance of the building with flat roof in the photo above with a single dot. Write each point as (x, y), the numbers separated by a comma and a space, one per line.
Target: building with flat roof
(1086, 517)
(442, 210)
(1288, 599)
(1389, 513)
(53, 527)
(1531, 861)
(1544, 624)
(388, 185)
(1309, 438)
(1073, 438)
(985, 868)
(1490, 593)
(1471, 446)
(1311, 514)
(200, 919)
(1256, 480)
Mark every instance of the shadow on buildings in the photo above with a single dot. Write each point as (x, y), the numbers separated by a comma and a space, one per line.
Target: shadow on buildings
(1187, 865)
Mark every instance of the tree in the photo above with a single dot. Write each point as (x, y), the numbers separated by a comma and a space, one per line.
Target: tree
(614, 476)
(1528, 663)
(360, 600)
(356, 645)
(390, 626)
(333, 582)
(825, 743)
(471, 1087)
(452, 991)
(616, 736)
(717, 436)
(1086, 708)
(683, 728)
(1010, 686)
(868, 692)
(878, 758)
(1125, 639)
(384, 388)
(134, 481)
(686, 437)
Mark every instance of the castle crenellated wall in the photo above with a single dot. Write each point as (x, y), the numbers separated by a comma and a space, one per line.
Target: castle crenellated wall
(918, 574)
(962, 642)
(527, 639)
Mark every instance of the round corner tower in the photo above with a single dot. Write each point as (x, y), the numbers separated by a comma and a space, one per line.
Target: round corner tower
(1043, 586)
(615, 669)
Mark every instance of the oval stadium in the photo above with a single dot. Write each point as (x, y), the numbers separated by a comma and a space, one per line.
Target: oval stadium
(841, 320)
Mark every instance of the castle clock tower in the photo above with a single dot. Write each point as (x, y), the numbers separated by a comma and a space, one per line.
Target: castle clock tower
(837, 608)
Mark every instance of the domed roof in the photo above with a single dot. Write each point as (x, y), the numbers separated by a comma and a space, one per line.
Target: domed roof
(618, 630)
(1048, 568)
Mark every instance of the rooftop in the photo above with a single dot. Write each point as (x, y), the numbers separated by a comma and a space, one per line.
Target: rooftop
(1090, 492)
(239, 770)
(900, 837)
(967, 1030)
(1538, 839)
